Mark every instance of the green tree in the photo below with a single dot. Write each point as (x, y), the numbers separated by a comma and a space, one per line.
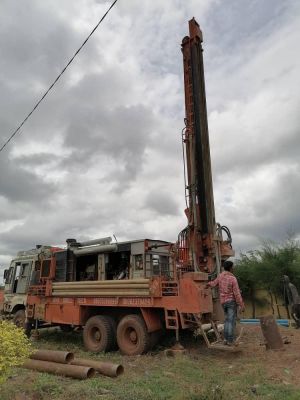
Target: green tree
(248, 274)
(264, 269)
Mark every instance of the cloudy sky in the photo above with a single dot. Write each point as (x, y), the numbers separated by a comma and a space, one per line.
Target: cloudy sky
(102, 155)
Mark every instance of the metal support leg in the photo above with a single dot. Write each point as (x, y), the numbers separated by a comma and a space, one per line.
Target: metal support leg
(177, 335)
(35, 334)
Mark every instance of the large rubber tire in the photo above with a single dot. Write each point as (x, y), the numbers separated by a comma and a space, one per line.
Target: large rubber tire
(19, 319)
(132, 335)
(98, 334)
(113, 324)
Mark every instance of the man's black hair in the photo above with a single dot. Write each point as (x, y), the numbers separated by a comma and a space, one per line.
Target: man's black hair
(228, 265)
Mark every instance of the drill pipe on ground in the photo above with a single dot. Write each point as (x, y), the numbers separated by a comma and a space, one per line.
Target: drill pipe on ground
(104, 368)
(72, 371)
(63, 357)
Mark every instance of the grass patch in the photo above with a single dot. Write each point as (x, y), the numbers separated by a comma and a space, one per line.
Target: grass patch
(195, 376)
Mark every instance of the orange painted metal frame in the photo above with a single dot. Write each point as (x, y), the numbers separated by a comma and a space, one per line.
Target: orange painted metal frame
(193, 297)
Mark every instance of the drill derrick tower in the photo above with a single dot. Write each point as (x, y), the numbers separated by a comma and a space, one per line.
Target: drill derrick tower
(201, 246)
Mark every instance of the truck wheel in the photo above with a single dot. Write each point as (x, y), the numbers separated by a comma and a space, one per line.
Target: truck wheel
(98, 334)
(19, 319)
(132, 335)
(113, 324)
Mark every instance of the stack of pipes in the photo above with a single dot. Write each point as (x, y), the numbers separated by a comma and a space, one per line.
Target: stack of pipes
(64, 363)
(126, 287)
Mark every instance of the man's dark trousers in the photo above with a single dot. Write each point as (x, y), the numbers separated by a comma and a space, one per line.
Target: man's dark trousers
(230, 311)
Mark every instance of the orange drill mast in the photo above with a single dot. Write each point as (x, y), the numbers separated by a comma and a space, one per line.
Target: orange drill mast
(201, 247)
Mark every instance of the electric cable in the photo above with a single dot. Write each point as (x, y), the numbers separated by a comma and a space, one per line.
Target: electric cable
(57, 78)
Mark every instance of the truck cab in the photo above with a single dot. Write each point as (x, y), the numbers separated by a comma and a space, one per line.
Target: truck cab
(17, 278)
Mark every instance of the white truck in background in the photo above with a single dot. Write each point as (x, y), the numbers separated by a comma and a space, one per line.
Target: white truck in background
(17, 278)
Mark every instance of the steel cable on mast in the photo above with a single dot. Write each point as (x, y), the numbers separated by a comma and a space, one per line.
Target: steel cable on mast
(57, 78)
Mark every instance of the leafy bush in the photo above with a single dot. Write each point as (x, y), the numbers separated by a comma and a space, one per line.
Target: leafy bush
(14, 348)
(264, 268)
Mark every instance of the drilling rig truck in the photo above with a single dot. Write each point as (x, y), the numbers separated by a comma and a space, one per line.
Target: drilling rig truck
(125, 294)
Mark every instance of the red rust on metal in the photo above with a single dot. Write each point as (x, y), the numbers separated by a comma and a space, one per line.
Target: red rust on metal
(104, 368)
(63, 357)
(72, 371)
(152, 319)
(194, 30)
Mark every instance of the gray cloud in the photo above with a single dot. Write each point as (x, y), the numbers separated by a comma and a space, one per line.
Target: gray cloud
(19, 186)
(161, 202)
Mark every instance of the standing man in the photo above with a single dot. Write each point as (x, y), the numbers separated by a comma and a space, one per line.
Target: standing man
(231, 299)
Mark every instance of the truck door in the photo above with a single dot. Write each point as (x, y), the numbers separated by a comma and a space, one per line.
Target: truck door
(23, 277)
(8, 288)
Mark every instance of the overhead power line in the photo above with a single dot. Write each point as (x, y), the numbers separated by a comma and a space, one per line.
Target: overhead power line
(56, 79)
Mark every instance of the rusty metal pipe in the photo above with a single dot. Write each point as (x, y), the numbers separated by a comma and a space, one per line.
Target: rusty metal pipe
(104, 290)
(107, 282)
(104, 368)
(106, 287)
(63, 357)
(99, 293)
(102, 241)
(102, 248)
(72, 371)
(101, 290)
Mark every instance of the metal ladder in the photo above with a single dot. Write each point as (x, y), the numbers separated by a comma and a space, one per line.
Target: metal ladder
(171, 318)
(218, 343)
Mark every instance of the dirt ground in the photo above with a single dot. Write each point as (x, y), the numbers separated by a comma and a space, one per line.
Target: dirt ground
(281, 366)
(200, 374)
